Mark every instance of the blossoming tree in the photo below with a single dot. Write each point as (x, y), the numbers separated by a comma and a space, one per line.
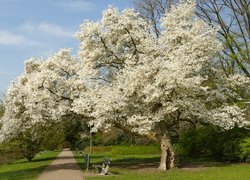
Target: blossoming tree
(176, 82)
(130, 79)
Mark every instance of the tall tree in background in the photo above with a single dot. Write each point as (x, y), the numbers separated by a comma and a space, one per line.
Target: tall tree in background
(153, 11)
(231, 16)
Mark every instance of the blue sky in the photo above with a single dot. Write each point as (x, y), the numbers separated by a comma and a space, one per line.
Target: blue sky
(37, 28)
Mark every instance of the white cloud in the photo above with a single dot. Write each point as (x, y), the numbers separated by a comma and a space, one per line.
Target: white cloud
(48, 28)
(77, 5)
(8, 38)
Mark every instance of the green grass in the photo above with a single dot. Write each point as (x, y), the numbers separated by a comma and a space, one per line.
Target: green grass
(144, 167)
(233, 172)
(24, 170)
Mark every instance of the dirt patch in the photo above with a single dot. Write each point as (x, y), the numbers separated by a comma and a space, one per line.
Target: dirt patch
(139, 166)
(155, 169)
(152, 167)
(146, 170)
(194, 168)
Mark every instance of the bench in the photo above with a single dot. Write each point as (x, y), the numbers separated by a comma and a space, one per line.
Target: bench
(103, 169)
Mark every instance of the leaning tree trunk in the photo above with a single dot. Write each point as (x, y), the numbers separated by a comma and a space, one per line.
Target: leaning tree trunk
(167, 153)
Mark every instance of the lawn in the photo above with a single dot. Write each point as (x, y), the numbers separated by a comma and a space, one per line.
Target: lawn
(145, 167)
(24, 170)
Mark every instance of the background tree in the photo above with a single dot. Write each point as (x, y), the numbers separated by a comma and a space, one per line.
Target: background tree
(152, 11)
(76, 133)
(53, 137)
(231, 16)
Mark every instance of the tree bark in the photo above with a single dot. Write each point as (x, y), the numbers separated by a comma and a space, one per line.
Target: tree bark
(167, 153)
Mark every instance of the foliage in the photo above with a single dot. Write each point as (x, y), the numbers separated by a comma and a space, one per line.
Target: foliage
(197, 142)
(30, 145)
(245, 149)
(76, 134)
(53, 138)
(126, 150)
(210, 141)
(133, 150)
(36, 140)
(116, 136)
(10, 151)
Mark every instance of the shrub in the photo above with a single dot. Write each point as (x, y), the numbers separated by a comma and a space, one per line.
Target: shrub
(197, 142)
(10, 151)
(245, 149)
(30, 145)
(135, 150)
(125, 150)
(212, 142)
(117, 137)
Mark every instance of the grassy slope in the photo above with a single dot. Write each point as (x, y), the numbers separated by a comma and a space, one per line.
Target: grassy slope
(144, 167)
(23, 170)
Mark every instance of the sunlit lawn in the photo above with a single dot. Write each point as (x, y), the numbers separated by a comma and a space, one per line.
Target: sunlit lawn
(145, 167)
(23, 170)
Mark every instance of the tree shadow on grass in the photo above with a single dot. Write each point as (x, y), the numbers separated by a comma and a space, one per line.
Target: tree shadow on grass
(131, 162)
(31, 172)
(188, 162)
(21, 174)
(204, 164)
(136, 163)
(51, 158)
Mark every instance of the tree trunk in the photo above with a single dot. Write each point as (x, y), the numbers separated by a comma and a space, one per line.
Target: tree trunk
(90, 141)
(167, 153)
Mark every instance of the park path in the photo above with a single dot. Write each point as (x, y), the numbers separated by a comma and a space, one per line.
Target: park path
(64, 167)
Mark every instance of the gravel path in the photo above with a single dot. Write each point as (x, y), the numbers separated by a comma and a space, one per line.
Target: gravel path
(64, 167)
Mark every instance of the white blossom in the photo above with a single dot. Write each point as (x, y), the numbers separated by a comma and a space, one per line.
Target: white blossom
(124, 77)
